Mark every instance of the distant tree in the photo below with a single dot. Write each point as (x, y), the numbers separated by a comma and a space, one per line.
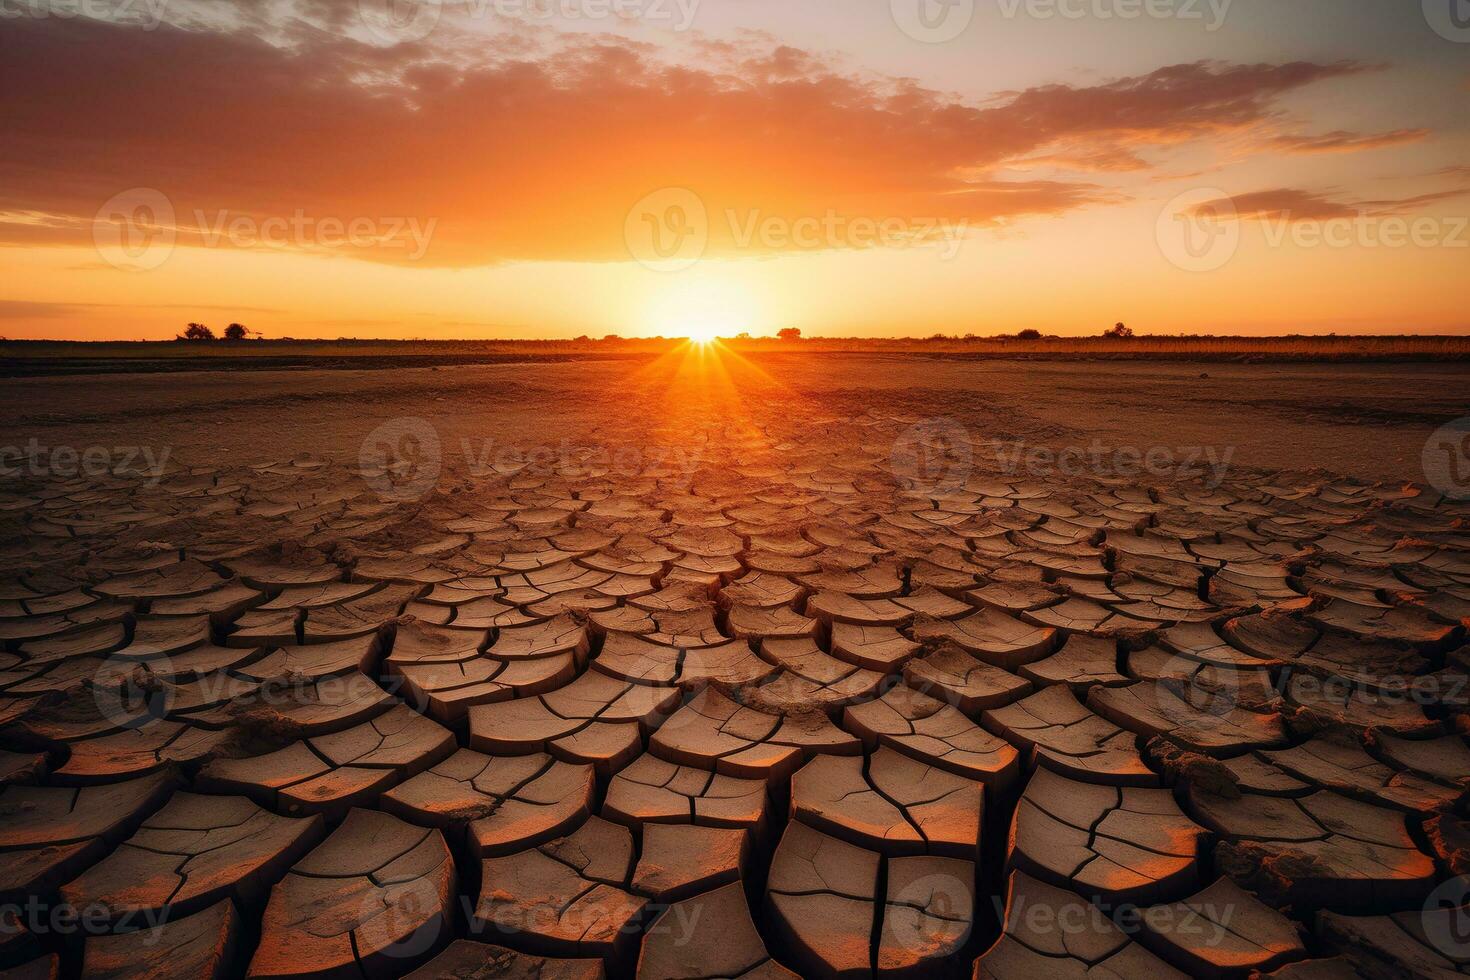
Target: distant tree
(789, 333)
(742, 335)
(237, 331)
(583, 339)
(1119, 332)
(197, 331)
(612, 336)
(1029, 334)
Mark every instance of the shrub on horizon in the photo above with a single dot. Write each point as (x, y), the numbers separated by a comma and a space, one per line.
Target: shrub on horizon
(196, 331)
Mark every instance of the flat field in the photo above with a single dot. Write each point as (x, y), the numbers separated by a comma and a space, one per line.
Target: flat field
(698, 661)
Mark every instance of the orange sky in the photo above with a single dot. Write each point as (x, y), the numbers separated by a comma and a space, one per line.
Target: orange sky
(312, 170)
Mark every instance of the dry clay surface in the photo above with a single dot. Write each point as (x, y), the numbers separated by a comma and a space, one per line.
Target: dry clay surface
(800, 708)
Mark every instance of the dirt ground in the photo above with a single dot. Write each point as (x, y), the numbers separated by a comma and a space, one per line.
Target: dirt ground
(866, 657)
(1369, 421)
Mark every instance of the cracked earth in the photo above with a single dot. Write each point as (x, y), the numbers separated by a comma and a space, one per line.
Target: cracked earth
(825, 694)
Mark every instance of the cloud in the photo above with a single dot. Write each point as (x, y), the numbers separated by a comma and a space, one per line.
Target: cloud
(1340, 141)
(20, 309)
(512, 149)
(1290, 204)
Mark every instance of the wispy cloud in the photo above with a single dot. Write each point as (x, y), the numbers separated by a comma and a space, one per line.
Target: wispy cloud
(1341, 141)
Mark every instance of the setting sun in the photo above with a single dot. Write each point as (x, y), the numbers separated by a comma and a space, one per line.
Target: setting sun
(702, 308)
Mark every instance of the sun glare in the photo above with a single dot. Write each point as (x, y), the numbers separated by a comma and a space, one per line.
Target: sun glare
(703, 334)
(702, 308)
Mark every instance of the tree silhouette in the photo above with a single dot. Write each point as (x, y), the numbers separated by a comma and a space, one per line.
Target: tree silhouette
(789, 333)
(237, 331)
(1119, 332)
(1029, 334)
(197, 331)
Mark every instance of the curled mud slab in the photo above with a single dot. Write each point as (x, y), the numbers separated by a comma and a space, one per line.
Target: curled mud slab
(789, 711)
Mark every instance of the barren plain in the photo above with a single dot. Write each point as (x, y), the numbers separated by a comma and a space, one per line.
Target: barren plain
(705, 664)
